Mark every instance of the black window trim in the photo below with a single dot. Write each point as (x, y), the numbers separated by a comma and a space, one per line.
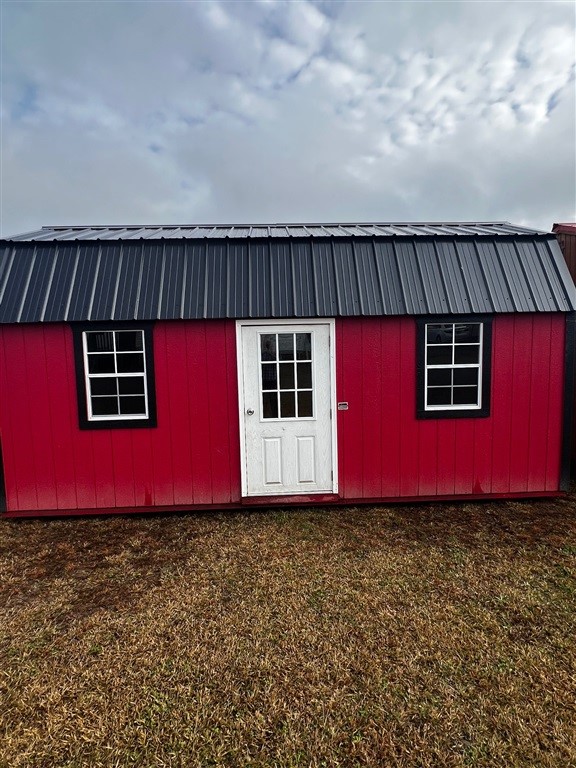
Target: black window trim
(78, 329)
(486, 384)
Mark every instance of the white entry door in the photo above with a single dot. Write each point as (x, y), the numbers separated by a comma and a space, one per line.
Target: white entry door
(286, 408)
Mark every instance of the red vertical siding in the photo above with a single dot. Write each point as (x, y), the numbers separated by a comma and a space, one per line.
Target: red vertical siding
(58, 388)
(200, 418)
(122, 468)
(350, 382)
(555, 399)
(172, 347)
(446, 457)
(541, 374)
(517, 449)
(371, 416)
(483, 474)
(428, 458)
(105, 477)
(406, 398)
(7, 430)
(19, 439)
(520, 414)
(390, 346)
(193, 455)
(164, 438)
(502, 405)
(143, 458)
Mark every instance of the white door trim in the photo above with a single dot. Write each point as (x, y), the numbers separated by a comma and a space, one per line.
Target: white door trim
(331, 323)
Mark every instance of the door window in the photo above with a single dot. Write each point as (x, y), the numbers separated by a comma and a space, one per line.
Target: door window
(286, 384)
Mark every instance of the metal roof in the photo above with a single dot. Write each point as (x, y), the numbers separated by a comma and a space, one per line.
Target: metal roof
(272, 277)
(187, 231)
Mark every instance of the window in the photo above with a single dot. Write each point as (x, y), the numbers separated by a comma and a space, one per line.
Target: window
(286, 375)
(454, 368)
(115, 379)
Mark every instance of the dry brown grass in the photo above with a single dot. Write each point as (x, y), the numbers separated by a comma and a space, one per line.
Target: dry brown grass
(406, 636)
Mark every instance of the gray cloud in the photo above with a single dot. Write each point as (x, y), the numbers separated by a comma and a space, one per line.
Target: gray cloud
(273, 111)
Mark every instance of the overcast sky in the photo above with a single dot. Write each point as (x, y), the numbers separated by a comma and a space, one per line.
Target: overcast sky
(268, 111)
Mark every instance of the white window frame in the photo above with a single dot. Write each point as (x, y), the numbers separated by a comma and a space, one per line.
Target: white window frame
(116, 375)
(455, 366)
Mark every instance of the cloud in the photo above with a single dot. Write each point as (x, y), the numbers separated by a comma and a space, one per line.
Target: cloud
(305, 25)
(283, 61)
(188, 112)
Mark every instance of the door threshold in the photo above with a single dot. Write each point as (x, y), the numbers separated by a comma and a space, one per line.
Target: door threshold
(300, 498)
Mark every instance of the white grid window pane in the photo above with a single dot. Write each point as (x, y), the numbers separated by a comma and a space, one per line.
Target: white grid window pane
(453, 366)
(286, 385)
(115, 374)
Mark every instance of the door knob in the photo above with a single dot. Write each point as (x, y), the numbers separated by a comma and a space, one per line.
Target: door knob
(250, 411)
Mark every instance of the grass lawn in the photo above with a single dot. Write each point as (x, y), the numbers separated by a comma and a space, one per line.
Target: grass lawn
(433, 635)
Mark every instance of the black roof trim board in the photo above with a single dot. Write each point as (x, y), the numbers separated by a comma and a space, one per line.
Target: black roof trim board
(79, 279)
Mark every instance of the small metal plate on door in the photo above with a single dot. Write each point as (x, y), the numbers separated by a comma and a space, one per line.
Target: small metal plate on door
(342, 406)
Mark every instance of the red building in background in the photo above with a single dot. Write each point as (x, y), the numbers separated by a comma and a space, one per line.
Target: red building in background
(156, 368)
(566, 235)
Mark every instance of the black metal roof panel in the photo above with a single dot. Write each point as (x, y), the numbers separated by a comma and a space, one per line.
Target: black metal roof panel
(275, 277)
(250, 231)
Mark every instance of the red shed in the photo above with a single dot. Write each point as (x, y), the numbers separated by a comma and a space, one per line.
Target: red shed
(159, 368)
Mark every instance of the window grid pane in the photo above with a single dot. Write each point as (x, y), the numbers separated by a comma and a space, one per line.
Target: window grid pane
(114, 357)
(286, 386)
(453, 365)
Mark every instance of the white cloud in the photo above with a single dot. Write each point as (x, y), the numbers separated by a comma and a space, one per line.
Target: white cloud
(216, 15)
(343, 79)
(287, 110)
(305, 24)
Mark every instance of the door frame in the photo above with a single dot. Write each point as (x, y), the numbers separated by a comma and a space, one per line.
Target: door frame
(264, 322)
